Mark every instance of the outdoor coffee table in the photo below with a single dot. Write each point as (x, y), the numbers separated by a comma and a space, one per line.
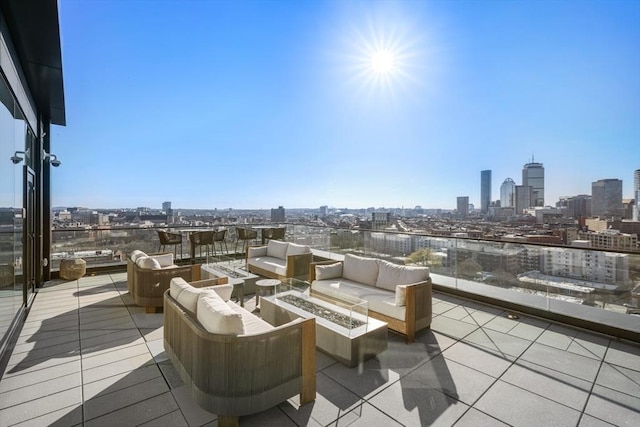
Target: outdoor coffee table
(344, 332)
(265, 285)
(240, 279)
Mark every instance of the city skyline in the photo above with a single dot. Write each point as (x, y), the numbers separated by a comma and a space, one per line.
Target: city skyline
(259, 104)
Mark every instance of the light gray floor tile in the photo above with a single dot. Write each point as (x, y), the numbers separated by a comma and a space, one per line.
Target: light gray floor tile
(148, 321)
(479, 318)
(612, 406)
(498, 342)
(21, 379)
(117, 367)
(69, 416)
(558, 336)
(479, 358)
(156, 348)
(624, 354)
(455, 380)
(47, 339)
(332, 401)
(364, 380)
(170, 374)
(194, 415)
(121, 381)
(27, 365)
(323, 360)
(555, 385)
(589, 421)
(110, 401)
(443, 307)
(451, 327)
(366, 415)
(30, 410)
(40, 390)
(108, 341)
(172, 419)
(501, 324)
(118, 354)
(519, 407)
(475, 418)
(152, 334)
(273, 417)
(557, 360)
(589, 345)
(619, 378)
(412, 403)
(528, 330)
(458, 313)
(138, 413)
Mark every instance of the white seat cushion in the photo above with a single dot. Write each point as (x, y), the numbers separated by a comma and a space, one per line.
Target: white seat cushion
(379, 300)
(390, 275)
(274, 265)
(216, 316)
(252, 323)
(360, 269)
(137, 254)
(277, 249)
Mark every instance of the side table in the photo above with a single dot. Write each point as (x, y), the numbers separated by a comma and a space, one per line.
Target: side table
(265, 285)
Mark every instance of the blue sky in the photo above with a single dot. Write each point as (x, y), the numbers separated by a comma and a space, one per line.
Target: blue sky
(256, 104)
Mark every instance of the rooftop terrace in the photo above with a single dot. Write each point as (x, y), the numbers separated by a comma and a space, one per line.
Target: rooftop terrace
(87, 356)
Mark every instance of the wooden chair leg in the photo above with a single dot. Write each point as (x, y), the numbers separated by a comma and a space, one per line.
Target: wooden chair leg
(227, 421)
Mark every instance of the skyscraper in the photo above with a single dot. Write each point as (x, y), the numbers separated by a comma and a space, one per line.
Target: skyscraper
(636, 194)
(523, 198)
(533, 176)
(463, 206)
(277, 215)
(606, 198)
(485, 190)
(508, 193)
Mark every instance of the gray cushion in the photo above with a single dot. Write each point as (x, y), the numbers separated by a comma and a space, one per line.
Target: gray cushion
(295, 249)
(277, 249)
(390, 275)
(216, 316)
(329, 271)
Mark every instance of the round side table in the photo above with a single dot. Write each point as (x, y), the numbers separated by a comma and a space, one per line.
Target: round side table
(265, 285)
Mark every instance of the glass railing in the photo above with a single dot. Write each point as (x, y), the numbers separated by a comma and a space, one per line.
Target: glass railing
(575, 281)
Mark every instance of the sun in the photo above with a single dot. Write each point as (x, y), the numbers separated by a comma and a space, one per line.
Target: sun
(382, 61)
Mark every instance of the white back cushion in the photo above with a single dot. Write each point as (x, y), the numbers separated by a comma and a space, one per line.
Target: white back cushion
(277, 249)
(136, 254)
(391, 275)
(329, 271)
(360, 269)
(148, 262)
(216, 316)
(184, 293)
(165, 260)
(257, 251)
(296, 249)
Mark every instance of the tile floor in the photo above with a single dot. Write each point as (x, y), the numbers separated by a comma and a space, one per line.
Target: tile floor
(88, 356)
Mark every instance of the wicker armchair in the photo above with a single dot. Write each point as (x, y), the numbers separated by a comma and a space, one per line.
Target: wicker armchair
(170, 239)
(236, 375)
(147, 285)
(245, 235)
(199, 239)
(275, 233)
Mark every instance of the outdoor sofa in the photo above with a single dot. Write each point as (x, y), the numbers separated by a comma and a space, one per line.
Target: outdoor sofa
(397, 294)
(233, 362)
(279, 260)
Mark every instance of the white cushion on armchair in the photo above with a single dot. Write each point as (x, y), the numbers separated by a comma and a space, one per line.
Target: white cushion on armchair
(257, 251)
(148, 263)
(277, 249)
(296, 249)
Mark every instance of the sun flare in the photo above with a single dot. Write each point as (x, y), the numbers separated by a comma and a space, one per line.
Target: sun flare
(382, 61)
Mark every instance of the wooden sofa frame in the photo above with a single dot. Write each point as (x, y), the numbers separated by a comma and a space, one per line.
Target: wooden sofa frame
(233, 376)
(297, 267)
(418, 312)
(147, 286)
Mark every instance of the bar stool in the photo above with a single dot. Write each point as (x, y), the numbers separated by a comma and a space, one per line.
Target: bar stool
(200, 239)
(220, 236)
(244, 235)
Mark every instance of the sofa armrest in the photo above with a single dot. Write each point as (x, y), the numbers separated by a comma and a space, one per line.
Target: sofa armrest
(298, 265)
(312, 268)
(418, 307)
(256, 251)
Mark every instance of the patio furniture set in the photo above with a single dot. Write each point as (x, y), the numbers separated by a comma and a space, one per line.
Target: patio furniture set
(238, 363)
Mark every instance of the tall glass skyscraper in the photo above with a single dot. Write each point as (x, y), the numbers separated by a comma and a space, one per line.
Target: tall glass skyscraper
(636, 194)
(606, 198)
(508, 193)
(533, 176)
(485, 191)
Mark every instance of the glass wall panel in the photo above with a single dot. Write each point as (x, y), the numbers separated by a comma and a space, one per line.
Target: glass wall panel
(12, 139)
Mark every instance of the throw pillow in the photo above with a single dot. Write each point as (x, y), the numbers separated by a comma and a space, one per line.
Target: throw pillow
(329, 271)
(165, 260)
(137, 254)
(360, 269)
(216, 316)
(277, 249)
(148, 262)
(401, 296)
